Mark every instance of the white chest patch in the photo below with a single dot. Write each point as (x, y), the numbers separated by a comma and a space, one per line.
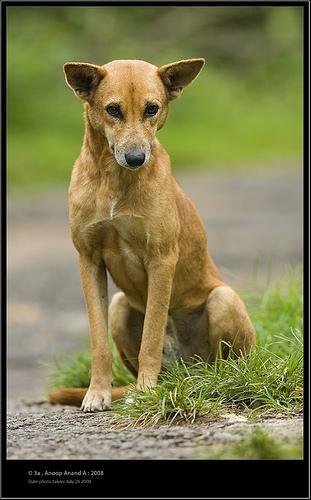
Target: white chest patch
(112, 207)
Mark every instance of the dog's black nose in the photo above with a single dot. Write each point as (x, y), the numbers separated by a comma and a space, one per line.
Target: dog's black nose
(135, 158)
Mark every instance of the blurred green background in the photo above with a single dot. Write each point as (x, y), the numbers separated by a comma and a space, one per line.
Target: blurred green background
(245, 109)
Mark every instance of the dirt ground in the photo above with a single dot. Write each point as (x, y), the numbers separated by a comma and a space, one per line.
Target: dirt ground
(52, 432)
(254, 225)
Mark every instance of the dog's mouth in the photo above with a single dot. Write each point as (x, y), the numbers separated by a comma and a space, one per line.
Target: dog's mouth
(133, 168)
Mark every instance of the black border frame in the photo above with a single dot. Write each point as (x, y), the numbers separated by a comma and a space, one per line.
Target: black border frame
(164, 478)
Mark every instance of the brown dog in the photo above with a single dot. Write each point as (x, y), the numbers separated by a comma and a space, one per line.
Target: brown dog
(129, 216)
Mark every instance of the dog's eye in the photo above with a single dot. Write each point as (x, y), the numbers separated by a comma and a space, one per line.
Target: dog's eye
(114, 110)
(151, 110)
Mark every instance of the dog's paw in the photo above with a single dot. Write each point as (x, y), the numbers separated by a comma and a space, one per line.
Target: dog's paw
(96, 400)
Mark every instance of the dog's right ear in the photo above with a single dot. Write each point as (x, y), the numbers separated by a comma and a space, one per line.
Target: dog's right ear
(83, 78)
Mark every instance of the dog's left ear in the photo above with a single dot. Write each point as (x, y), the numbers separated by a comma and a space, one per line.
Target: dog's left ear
(176, 76)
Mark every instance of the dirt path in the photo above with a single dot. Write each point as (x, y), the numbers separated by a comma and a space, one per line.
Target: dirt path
(254, 225)
(71, 434)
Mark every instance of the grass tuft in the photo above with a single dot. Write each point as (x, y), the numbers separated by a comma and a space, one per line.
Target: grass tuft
(258, 446)
(268, 379)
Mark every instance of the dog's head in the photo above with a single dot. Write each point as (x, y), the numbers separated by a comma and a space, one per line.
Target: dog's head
(127, 101)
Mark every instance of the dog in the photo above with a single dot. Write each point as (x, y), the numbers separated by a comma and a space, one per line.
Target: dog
(129, 217)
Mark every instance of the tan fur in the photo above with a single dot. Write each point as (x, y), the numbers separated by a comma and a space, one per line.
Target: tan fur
(142, 228)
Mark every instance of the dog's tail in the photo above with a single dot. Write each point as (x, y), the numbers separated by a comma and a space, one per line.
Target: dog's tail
(73, 396)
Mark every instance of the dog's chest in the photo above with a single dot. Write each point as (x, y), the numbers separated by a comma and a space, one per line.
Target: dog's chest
(121, 233)
(115, 227)
(124, 249)
(113, 215)
(129, 225)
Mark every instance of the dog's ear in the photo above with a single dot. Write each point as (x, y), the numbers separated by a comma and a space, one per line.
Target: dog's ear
(177, 75)
(83, 78)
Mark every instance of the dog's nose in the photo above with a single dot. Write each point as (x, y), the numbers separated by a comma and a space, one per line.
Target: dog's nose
(135, 158)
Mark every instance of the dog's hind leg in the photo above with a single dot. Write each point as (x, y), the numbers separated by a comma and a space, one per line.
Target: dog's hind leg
(126, 326)
(228, 321)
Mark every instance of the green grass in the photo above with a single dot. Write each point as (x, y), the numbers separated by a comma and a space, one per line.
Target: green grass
(258, 446)
(74, 370)
(269, 379)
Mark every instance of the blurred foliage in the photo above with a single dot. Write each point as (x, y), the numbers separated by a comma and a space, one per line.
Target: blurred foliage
(244, 108)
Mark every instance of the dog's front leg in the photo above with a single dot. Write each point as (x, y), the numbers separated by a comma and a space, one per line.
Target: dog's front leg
(94, 283)
(160, 278)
